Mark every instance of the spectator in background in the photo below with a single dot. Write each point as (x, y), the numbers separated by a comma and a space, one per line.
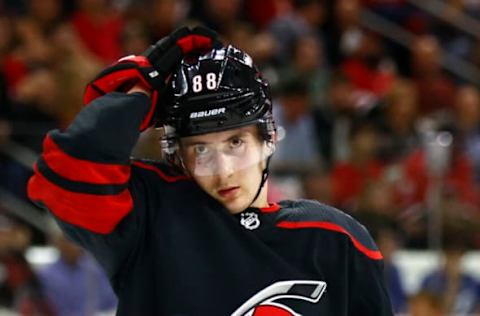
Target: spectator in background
(229, 20)
(46, 97)
(308, 63)
(220, 15)
(455, 211)
(258, 44)
(398, 134)
(12, 71)
(99, 27)
(72, 68)
(344, 33)
(458, 290)
(316, 186)
(425, 303)
(377, 197)
(33, 30)
(135, 37)
(349, 177)
(299, 148)
(435, 89)
(261, 13)
(452, 168)
(467, 117)
(163, 16)
(408, 16)
(74, 284)
(35, 108)
(335, 119)
(12, 64)
(369, 69)
(20, 290)
(306, 18)
(49, 96)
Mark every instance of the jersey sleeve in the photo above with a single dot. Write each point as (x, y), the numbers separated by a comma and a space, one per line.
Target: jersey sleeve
(368, 292)
(83, 177)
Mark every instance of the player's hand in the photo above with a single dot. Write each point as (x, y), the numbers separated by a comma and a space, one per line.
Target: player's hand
(148, 72)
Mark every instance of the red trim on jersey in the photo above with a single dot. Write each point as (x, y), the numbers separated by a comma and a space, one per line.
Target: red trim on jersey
(97, 213)
(273, 207)
(75, 169)
(162, 175)
(146, 123)
(373, 254)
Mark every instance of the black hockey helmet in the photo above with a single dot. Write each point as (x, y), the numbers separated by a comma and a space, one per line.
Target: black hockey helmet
(217, 91)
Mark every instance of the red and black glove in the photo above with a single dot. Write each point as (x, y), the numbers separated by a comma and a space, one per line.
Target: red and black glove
(153, 67)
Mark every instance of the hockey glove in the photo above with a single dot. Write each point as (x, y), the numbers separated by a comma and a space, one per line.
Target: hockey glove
(152, 68)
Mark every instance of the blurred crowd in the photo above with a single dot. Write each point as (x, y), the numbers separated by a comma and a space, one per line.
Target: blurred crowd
(375, 128)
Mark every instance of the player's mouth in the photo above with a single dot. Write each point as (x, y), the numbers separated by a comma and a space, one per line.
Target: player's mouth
(229, 192)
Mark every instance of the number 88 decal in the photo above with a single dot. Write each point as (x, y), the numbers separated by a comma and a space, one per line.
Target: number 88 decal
(210, 82)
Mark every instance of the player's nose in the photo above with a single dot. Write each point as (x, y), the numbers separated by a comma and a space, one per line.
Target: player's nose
(224, 164)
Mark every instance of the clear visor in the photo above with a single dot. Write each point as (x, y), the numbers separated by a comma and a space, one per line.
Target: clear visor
(223, 153)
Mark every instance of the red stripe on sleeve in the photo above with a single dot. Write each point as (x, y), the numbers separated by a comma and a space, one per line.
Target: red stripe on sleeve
(372, 254)
(80, 170)
(162, 175)
(148, 119)
(97, 213)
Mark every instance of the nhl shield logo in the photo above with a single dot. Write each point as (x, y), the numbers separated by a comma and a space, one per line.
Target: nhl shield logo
(250, 220)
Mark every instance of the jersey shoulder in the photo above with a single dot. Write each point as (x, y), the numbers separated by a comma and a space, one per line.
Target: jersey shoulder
(309, 214)
(311, 210)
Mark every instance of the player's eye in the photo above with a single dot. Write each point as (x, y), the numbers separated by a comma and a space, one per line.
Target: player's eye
(236, 143)
(201, 149)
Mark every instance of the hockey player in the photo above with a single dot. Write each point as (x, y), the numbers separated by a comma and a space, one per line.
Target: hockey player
(197, 236)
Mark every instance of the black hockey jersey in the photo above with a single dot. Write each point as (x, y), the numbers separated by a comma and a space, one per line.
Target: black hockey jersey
(170, 249)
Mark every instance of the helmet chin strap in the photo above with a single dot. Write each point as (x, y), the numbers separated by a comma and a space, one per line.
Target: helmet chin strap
(262, 182)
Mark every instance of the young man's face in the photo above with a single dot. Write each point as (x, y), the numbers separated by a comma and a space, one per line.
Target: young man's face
(228, 165)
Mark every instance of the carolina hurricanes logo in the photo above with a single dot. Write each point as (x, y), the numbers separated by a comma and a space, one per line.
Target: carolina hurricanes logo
(264, 303)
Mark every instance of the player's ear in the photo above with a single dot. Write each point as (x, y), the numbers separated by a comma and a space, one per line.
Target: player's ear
(275, 137)
(270, 147)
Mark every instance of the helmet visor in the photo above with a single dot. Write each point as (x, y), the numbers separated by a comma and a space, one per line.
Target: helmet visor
(224, 153)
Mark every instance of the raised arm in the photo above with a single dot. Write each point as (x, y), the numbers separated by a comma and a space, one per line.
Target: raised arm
(83, 175)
